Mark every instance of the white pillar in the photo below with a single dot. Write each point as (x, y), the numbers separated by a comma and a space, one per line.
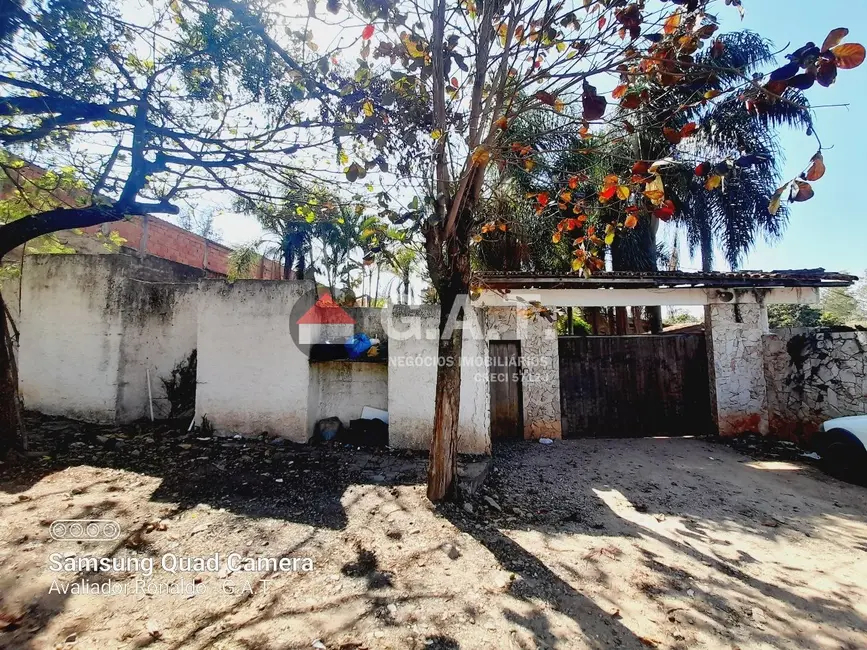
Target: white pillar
(734, 337)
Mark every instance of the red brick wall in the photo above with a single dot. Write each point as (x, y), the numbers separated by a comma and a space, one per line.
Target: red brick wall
(172, 242)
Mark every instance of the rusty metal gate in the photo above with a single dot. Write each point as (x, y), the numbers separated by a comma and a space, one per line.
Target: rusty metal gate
(634, 386)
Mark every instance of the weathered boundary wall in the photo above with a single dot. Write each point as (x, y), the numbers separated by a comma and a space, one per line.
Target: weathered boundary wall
(92, 325)
(343, 388)
(738, 391)
(252, 377)
(813, 375)
(413, 357)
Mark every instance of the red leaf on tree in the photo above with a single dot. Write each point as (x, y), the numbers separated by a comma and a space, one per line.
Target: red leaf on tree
(834, 38)
(688, 130)
(367, 33)
(849, 55)
(594, 105)
(640, 167)
(607, 194)
(542, 198)
(632, 100)
(816, 169)
(702, 169)
(672, 135)
(776, 87)
(546, 98)
(619, 91)
(602, 22)
(804, 192)
(827, 73)
(665, 211)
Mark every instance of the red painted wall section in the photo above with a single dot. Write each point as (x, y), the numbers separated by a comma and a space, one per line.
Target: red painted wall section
(171, 242)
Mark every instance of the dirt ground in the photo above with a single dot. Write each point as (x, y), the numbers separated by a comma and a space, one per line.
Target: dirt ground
(668, 543)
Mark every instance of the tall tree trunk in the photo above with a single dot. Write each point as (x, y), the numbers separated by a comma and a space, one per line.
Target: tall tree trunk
(706, 236)
(288, 260)
(301, 267)
(443, 467)
(8, 389)
(376, 293)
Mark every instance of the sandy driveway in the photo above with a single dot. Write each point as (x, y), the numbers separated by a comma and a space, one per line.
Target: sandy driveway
(581, 544)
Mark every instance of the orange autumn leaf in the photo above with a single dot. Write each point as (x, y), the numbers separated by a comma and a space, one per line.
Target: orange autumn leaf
(502, 123)
(713, 182)
(610, 180)
(688, 130)
(631, 221)
(672, 135)
(672, 23)
(849, 55)
(557, 237)
(619, 91)
(802, 191)
(481, 155)
(565, 196)
(655, 196)
(542, 198)
(834, 38)
(816, 169)
(573, 182)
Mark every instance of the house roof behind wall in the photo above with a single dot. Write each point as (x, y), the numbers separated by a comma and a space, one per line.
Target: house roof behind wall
(669, 279)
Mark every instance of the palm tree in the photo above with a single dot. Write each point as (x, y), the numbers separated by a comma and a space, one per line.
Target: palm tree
(733, 216)
(403, 264)
(736, 214)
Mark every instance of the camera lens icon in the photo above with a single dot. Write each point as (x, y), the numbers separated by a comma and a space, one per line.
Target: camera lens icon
(84, 530)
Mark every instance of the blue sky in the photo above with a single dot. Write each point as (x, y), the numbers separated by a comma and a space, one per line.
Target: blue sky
(831, 229)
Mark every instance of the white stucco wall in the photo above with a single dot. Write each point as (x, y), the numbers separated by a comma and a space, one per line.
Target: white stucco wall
(342, 388)
(474, 419)
(71, 331)
(734, 338)
(159, 331)
(412, 373)
(413, 358)
(252, 378)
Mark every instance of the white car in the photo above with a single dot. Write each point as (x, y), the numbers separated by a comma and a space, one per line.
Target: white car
(842, 444)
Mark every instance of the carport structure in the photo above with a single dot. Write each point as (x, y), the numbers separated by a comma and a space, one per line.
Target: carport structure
(654, 384)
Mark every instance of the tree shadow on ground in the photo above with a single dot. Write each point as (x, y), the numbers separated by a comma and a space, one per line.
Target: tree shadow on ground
(256, 477)
(595, 490)
(621, 489)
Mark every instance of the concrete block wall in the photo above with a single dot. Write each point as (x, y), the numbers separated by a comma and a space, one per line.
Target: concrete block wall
(90, 327)
(735, 349)
(159, 332)
(813, 375)
(252, 377)
(343, 388)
